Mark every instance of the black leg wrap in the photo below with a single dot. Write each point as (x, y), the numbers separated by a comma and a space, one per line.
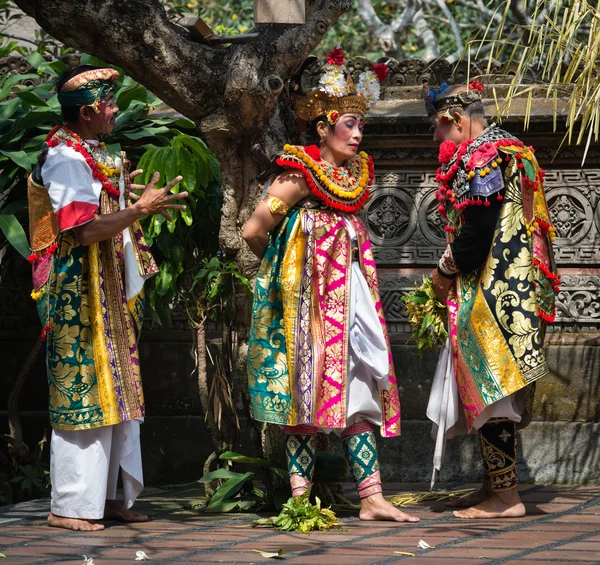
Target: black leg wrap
(499, 451)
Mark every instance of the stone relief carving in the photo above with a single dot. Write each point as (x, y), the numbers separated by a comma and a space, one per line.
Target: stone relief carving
(408, 237)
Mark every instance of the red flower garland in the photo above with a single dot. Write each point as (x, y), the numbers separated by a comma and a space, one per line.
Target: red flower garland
(322, 195)
(313, 152)
(447, 151)
(78, 146)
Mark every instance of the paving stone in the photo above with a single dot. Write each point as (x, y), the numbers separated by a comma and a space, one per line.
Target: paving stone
(572, 556)
(572, 536)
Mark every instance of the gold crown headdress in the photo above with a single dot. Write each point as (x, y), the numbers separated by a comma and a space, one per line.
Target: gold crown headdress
(335, 94)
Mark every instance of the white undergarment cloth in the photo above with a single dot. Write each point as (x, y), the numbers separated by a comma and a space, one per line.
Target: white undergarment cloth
(446, 411)
(84, 469)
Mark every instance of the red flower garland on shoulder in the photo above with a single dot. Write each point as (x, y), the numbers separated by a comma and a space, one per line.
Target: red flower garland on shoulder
(447, 150)
(80, 148)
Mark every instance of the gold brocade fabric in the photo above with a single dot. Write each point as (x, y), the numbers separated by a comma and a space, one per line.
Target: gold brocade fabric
(92, 341)
(43, 227)
(497, 327)
(299, 340)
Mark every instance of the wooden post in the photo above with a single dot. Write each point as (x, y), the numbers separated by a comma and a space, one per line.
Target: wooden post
(279, 11)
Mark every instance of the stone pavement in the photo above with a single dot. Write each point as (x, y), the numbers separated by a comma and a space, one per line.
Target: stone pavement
(562, 526)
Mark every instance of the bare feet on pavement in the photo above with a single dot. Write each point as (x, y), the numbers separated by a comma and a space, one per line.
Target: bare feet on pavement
(376, 507)
(483, 493)
(501, 504)
(76, 524)
(114, 510)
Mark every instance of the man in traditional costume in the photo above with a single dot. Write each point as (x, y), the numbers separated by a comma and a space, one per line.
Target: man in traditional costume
(498, 279)
(318, 354)
(90, 262)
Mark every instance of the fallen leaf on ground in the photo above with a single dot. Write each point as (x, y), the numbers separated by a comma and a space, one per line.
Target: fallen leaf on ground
(270, 554)
(2, 555)
(87, 560)
(404, 553)
(424, 545)
(141, 556)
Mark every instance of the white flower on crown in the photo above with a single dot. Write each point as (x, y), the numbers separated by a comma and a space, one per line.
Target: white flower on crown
(333, 82)
(368, 85)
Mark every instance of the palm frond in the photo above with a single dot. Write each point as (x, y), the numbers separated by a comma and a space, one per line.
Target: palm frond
(560, 48)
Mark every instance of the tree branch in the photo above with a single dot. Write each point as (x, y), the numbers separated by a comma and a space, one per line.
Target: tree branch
(137, 36)
(426, 34)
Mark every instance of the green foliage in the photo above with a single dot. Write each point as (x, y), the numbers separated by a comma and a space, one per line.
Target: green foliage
(238, 493)
(299, 515)
(33, 479)
(427, 316)
(165, 144)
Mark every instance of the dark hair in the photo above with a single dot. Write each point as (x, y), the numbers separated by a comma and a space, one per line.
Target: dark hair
(474, 111)
(71, 113)
(312, 132)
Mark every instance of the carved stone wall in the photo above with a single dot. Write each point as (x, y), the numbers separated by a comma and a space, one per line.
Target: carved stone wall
(408, 239)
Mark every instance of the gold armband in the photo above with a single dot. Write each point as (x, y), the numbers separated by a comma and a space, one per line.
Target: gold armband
(276, 205)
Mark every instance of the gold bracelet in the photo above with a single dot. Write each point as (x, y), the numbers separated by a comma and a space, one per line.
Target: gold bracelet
(276, 205)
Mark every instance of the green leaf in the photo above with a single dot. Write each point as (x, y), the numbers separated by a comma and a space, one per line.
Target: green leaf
(35, 143)
(239, 458)
(36, 118)
(9, 107)
(20, 158)
(146, 132)
(35, 59)
(187, 166)
(11, 80)
(164, 278)
(127, 95)
(220, 474)
(528, 168)
(222, 507)
(15, 234)
(228, 489)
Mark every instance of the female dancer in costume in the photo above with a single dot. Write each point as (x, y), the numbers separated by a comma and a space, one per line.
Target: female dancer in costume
(318, 354)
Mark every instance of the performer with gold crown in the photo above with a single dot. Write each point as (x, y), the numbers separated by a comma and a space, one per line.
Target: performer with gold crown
(318, 354)
(498, 279)
(90, 263)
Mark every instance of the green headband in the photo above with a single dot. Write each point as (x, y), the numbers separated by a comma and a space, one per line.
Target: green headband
(88, 94)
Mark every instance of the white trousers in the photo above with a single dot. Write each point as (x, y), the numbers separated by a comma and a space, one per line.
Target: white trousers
(84, 469)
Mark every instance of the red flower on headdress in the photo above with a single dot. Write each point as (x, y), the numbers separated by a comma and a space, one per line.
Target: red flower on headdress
(447, 151)
(476, 85)
(381, 70)
(313, 152)
(336, 57)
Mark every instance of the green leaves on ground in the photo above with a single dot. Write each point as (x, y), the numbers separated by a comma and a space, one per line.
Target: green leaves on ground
(299, 515)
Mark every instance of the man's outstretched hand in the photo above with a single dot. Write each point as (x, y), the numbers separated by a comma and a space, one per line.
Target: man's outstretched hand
(156, 200)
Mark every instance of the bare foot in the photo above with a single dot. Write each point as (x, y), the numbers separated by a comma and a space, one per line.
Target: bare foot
(376, 507)
(501, 504)
(114, 510)
(76, 524)
(483, 493)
